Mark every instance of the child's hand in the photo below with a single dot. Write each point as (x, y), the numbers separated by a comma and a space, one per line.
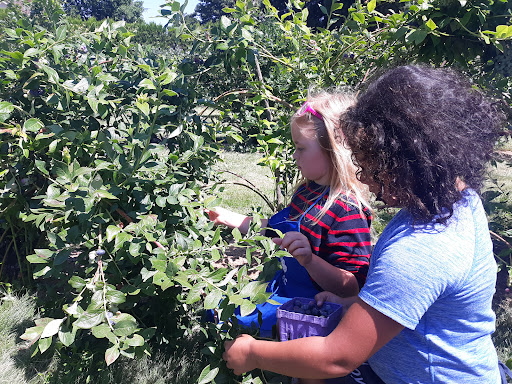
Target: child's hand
(297, 245)
(222, 216)
(324, 296)
(345, 302)
(213, 215)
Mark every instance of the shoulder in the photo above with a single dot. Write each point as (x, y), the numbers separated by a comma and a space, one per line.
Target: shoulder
(348, 204)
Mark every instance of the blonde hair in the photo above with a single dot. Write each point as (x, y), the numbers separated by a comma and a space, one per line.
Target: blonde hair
(343, 181)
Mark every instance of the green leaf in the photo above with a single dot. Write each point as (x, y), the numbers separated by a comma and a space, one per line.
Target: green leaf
(102, 194)
(41, 165)
(147, 83)
(44, 344)
(146, 68)
(67, 337)
(41, 256)
(250, 289)
(212, 299)
(359, 17)
(53, 76)
(194, 294)
(112, 231)
(162, 280)
(144, 107)
(32, 333)
(88, 320)
(222, 46)
(503, 31)
(62, 257)
(175, 6)
(111, 354)
(236, 234)
(208, 375)
(77, 282)
(93, 103)
(33, 125)
(125, 327)
(135, 341)
(115, 297)
(122, 238)
(247, 308)
(215, 254)
(431, 25)
(61, 32)
(101, 330)
(371, 5)
(31, 52)
(52, 328)
(216, 236)
(5, 110)
(225, 22)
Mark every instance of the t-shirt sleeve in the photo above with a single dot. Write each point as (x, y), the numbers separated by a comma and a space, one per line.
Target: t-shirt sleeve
(408, 275)
(349, 242)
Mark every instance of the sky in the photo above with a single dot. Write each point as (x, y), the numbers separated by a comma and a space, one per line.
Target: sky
(153, 6)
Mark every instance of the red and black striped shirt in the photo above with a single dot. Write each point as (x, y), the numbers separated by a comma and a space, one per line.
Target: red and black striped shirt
(341, 236)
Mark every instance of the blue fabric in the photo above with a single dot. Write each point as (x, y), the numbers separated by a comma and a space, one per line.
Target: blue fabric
(281, 222)
(438, 282)
(292, 281)
(504, 372)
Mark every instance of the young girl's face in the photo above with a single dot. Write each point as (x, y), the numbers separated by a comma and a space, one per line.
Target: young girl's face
(311, 159)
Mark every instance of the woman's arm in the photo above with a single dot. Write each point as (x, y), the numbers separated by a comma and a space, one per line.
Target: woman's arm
(329, 277)
(232, 219)
(361, 332)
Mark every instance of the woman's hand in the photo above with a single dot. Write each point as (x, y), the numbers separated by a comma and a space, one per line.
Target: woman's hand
(297, 245)
(238, 354)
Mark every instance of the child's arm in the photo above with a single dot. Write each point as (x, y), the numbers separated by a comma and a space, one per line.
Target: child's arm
(328, 276)
(222, 216)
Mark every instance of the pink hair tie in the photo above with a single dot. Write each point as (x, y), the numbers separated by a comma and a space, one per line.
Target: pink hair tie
(306, 107)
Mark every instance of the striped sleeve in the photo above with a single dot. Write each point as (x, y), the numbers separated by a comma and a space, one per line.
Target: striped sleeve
(348, 244)
(341, 236)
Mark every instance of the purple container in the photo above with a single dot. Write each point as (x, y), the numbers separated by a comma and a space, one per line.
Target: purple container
(294, 325)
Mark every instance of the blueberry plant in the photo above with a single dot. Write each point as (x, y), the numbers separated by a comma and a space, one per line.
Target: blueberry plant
(104, 167)
(106, 152)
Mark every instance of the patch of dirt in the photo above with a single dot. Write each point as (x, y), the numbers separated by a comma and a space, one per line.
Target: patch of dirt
(235, 258)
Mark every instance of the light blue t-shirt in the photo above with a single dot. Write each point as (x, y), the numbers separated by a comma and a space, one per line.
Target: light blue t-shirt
(438, 282)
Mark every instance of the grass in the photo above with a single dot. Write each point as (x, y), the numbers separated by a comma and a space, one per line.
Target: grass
(17, 367)
(242, 199)
(17, 313)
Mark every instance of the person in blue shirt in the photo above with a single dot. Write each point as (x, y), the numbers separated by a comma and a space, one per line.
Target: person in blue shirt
(421, 138)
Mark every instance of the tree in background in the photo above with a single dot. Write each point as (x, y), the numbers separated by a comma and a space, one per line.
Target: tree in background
(127, 10)
(211, 10)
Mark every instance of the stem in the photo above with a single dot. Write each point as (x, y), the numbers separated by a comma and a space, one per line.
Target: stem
(251, 187)
(100, 269)
(17, 253)
(260, 78)
(5, 257)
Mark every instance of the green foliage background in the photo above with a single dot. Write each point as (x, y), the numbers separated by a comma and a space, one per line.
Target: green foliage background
(109, 131)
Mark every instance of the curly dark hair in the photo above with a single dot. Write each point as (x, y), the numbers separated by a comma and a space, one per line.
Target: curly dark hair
(424, 128)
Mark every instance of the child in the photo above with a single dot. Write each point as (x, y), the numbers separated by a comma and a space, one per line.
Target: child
(422, 138)
(327, 222)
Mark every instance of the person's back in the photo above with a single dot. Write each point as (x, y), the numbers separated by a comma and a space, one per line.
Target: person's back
(444, 298)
